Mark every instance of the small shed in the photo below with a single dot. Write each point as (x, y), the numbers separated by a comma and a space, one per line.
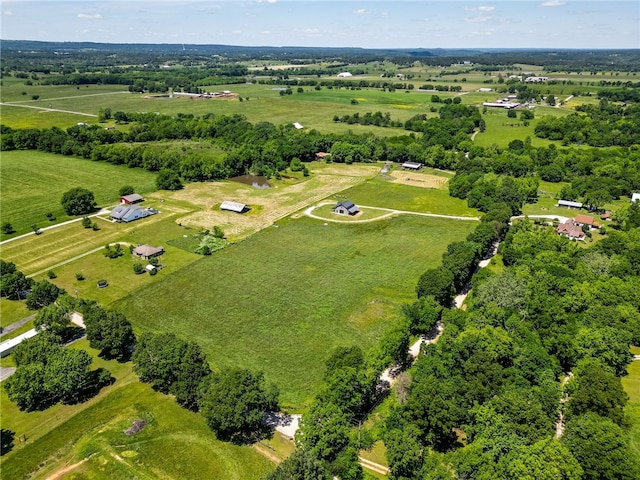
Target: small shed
(131, 199)
(322, 155)
(635, 197)
(233, 206)
(298, 126)
(147, 251)
(346, 208)
(569, 204)
(412, 166)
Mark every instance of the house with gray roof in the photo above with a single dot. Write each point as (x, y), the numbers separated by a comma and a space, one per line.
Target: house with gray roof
(346, 208)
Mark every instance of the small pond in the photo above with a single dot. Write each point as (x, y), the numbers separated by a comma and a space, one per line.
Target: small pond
(255, 181)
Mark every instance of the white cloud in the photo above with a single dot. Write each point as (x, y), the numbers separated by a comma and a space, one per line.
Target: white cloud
(8, 13)
(552, 3)
(487, 8)
(89, 15)
(360, 11)
(265, 32)
(479, 19)
(237, 32)
(266, 1)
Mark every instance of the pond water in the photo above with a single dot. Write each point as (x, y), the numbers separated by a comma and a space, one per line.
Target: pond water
(255, 181)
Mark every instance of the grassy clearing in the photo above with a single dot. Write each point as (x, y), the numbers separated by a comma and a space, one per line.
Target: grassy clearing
(379, 192)
(33, 184)
(175, 444)
(282, 299)
(631, 384)
(11, 311)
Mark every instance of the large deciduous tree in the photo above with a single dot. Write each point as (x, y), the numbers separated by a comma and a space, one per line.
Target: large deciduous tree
(42, 294)
(234, 402)
(78, 201)
(109, 332)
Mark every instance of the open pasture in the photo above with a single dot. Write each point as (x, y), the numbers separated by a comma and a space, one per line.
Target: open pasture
(282, 299)
(87, 440)
(33, 184)
(266, 205)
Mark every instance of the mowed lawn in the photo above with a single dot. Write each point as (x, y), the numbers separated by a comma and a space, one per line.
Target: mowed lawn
(281, 300)
(175, 443)
(33, 184)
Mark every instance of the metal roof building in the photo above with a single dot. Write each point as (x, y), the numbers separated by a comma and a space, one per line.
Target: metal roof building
(7, 347)
(233, 206)
(569, 204)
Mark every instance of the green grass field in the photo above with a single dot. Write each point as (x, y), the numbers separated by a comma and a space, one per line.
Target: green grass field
(33, 184)
(281, 300)
(175, 444)
(631, 384)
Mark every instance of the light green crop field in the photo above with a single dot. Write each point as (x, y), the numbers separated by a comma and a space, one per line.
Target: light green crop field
(33, 184)
(282, 299)
(87, 440)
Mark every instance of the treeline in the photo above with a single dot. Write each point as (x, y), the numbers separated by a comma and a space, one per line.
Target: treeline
(624, 95)
(378, 119)
(336, 83)
(606, 124)
(484, 401)
(260, 148)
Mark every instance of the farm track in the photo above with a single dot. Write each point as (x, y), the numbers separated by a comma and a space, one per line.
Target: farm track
(47, 109)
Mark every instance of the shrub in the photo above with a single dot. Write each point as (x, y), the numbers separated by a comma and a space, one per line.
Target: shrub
(138, 268)
(79, 277)
(51, 274)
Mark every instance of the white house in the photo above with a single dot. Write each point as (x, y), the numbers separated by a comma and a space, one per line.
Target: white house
(344, 75)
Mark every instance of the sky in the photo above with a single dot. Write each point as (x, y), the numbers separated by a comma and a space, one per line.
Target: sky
(555, 24)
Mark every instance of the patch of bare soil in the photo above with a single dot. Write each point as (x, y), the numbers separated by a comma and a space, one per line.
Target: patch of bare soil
(417, 179)
(58, 474)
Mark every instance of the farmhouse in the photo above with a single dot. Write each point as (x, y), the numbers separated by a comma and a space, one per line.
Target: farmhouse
(569, 204)
(129, 213)
(233, 206)
(571, 229)
(131, 199)
(147, 251)
(411, 166)
(586, 220)
(346, 208)
(344, 75)
(536, 79)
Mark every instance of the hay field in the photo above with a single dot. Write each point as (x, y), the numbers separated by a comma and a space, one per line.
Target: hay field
(266, 205)
(419, 179)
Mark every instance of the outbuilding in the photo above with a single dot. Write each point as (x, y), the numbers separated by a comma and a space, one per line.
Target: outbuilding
(233, 206)
(412, 166)
(569, 204)
(147, 251)
(346, 208)
(131, 199)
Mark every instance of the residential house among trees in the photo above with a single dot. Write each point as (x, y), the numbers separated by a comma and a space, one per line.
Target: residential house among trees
(571, 229)
(346, 208)
(129, 213)
(586, 220)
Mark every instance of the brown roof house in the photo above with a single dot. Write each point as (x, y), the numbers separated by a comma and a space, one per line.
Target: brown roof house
(571, 229)
(147, 251)
(586, 220)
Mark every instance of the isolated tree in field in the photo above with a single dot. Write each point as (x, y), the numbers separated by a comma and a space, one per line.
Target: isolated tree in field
(7, 228)
(233, 403)
(42, 294)
(86, 222)
(78, 201)
(109, 332)
(168, 180)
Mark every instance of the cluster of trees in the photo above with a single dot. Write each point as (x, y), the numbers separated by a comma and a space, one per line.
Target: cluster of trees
(13, 283)
(47, 374)
(607, 124)
(232, 401)
(484, 401)
(378, 119)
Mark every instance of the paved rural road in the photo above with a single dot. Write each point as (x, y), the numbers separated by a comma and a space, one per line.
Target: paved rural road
(6, 372)
(309, 212)
(16, 325)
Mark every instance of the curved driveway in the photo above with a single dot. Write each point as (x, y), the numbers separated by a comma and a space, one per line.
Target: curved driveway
(391, 212)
